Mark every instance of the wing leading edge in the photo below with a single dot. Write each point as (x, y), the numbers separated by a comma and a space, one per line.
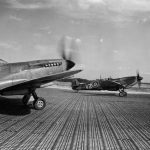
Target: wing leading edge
(36, 83)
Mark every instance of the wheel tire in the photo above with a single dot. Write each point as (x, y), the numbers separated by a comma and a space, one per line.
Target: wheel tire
(40, 103)
(25, 99)
(121, 94)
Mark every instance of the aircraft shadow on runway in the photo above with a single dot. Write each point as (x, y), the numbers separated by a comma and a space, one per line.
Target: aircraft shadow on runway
(100, 94)
(86, 93)
(13, 106)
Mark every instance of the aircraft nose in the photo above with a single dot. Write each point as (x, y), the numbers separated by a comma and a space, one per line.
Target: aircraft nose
(70, 64)
(140, 78)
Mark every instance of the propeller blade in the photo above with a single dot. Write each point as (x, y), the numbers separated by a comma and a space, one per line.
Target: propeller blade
(139, 78)
(137, 74)
(62, 47)
(74, 50)
(139, 84)
(69, 48)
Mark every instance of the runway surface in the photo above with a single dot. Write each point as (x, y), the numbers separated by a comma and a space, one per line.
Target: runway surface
(83, 121)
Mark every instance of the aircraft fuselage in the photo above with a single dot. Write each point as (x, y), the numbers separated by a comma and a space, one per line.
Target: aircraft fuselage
(15, 73)
(108, 84)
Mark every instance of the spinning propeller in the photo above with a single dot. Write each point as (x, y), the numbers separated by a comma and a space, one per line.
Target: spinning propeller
(68, 51)
(139, 78)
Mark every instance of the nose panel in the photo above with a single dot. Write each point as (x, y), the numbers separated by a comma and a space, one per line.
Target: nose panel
(141, 78)
(70, 64)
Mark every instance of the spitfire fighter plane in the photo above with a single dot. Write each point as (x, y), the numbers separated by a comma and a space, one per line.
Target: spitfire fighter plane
(118, 84)
(23, 78)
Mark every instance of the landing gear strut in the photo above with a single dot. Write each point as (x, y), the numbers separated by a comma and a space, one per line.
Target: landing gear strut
(25, 99)
(39, 103)
(122, 93)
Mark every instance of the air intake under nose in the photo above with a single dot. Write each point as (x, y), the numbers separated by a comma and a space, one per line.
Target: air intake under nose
(70, 64)
(140, 78)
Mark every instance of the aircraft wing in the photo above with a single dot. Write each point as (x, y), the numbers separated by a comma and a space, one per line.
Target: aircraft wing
(111, 84)
(38, 82)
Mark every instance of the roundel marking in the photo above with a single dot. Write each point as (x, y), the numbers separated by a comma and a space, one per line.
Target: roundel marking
(95, 84)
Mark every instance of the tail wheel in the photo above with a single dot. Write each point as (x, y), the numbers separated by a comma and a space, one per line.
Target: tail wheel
(40, 103)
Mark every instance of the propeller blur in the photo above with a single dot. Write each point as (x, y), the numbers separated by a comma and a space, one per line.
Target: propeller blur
(23, 78)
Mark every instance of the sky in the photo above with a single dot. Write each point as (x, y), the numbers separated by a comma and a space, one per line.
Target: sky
(113, 36)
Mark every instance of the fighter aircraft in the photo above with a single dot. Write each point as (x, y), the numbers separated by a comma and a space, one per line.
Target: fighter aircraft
(118, 84)
(23, 78)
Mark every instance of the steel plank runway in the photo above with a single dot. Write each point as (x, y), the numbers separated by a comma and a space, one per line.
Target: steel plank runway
(76, 121)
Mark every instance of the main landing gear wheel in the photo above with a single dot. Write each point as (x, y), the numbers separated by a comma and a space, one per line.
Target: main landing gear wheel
(39, 103)
(123, 94)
